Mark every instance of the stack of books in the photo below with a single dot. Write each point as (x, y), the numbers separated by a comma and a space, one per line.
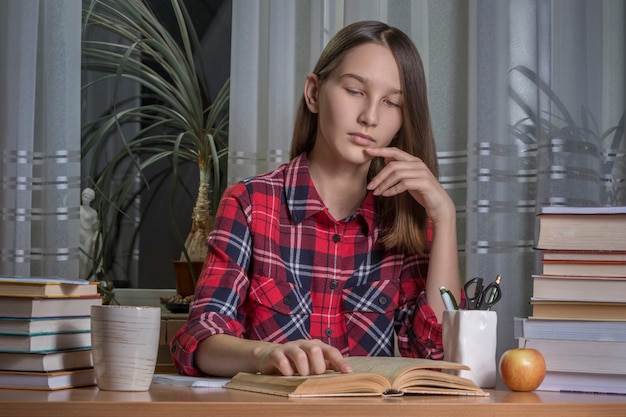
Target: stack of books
(578, 319)
(45, 338)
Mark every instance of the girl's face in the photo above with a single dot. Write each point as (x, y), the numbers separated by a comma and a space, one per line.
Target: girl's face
(359, 105)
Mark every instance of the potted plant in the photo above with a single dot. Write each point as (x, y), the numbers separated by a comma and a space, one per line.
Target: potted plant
(558, 124)
(173, 120)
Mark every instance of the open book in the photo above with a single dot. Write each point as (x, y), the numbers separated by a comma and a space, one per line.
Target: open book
(370, 376)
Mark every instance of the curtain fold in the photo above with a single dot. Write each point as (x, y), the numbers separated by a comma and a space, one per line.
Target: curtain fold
(494, 69)
(500, 202)
(40, 137)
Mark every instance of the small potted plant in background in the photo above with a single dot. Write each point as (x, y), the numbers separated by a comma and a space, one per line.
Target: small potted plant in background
(558, 126)
(173, 120)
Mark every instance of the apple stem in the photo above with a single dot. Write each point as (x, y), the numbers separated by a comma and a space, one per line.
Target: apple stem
(525, 341)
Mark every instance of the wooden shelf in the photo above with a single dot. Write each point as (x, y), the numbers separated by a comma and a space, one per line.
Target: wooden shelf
(170, 324)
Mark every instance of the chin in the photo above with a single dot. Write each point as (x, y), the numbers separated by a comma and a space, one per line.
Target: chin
(359, 157)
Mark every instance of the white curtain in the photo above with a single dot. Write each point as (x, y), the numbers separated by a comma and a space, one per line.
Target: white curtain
(496, 170)
(40, 137)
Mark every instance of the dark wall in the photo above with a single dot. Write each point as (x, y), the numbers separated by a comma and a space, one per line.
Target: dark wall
(159, 244)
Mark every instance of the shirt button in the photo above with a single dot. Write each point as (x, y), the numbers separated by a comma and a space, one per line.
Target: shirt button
(333, 284)
(329, 332)
(336, 238)
(382, 300)
(286, 300)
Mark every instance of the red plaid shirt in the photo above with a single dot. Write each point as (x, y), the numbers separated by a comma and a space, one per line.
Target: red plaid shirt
(280, 268)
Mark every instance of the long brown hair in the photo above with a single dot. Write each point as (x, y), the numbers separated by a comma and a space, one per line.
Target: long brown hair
(402, 219)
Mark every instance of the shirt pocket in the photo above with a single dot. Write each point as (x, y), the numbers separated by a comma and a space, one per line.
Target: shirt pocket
(373, 297)
(268, 297)
(369, 313)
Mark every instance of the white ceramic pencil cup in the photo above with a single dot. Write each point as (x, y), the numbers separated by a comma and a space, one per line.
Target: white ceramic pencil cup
(470, 338)
(124, 342)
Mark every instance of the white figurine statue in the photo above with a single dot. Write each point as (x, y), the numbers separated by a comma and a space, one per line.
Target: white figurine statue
(89, 225)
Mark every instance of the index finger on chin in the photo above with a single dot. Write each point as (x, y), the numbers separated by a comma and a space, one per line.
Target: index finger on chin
(392, 153)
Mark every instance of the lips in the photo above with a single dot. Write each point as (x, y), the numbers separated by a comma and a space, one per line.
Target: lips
(361, 139)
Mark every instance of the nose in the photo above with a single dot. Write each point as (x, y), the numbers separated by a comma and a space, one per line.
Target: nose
(369, 113)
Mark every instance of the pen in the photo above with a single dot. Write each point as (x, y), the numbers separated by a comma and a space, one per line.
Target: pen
(448, 299)
(494, 291)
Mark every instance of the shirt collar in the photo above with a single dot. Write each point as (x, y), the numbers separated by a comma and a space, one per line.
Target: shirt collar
(302, 198)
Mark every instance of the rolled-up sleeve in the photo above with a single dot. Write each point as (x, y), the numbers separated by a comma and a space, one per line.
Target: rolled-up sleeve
(418, 330)
(420, 333)
(221, 289)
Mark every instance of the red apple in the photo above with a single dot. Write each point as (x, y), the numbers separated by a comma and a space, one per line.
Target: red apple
(522, 369)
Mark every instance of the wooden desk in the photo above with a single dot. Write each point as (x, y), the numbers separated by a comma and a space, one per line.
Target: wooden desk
(175, 401)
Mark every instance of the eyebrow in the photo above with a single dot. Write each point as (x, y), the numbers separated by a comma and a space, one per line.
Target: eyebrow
(364, 81)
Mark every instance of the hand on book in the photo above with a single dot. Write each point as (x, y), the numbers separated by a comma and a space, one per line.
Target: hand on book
(304, 357)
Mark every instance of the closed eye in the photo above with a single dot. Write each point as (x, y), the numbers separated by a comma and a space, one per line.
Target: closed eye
(354, 92)
(391, 103)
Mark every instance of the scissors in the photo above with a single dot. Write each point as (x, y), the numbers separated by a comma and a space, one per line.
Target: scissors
(479, 298)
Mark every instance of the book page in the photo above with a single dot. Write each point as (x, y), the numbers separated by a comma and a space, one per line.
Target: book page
(425, 380)
(189, 381)
(417, 376)
(328, 384)
(392, 367)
